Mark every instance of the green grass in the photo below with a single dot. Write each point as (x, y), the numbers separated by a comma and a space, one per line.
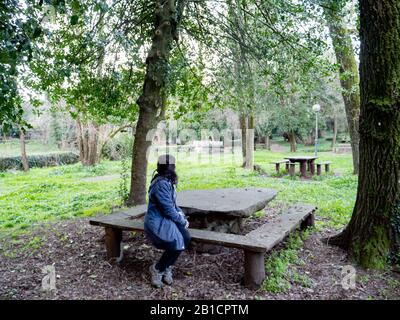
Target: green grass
(46, 194)
(12, 147)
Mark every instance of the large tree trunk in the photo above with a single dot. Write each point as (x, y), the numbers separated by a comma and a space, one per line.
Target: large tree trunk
(373, 233)
(249, 157)
(349, 78)
(24, 158)
(152, 100)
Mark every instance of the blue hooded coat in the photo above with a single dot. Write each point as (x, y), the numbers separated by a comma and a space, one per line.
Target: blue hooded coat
(163, 216)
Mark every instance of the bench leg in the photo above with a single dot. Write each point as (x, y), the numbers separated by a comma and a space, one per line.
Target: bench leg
(254, 269)
(327, 168)
(277, 167)
(308, 222)
(312, 167)
(318, 169)
(113, 242)
(287, 166)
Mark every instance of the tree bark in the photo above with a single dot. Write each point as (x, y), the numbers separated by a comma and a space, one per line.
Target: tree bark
(335, 129)
(93, 156)
(292, 140)
(373, 233)
(152, 100)
(348, 73)
(243, 130)
(88, 136)
(79, 139)
(24, 158)
(249, 157)
(268, 142)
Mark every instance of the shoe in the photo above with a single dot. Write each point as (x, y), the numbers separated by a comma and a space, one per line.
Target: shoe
(156, 276)
(167, 276)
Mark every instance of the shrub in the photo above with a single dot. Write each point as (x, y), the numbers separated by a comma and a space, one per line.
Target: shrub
(118, 148)
(45, 160)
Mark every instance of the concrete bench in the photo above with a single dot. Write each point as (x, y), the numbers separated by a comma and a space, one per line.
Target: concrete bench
(342, 148)
(320, 164)
(254, 244)
(278, 163)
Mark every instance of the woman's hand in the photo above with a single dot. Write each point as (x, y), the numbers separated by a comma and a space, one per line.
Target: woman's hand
(187, 224)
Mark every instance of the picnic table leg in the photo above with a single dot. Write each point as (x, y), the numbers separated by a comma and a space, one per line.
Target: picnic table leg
(308, 166)
(292, 169)
(254, 269)
(327, 167)
(287, 166)
(277, 167)
(113, 242)
(308, 222)
(312, 167)
(318, 169)
(303, 168)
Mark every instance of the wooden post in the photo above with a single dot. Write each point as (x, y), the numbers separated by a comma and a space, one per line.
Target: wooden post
(318, 169)
(303, 169)
(113, 242)
(254, 269)
(292, 169)
(312, 167)
(308, 222)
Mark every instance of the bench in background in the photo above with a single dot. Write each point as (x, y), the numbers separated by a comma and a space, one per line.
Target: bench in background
(278, 164)
(320, 164)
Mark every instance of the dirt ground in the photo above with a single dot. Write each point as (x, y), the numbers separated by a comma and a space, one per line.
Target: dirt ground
(77, 252)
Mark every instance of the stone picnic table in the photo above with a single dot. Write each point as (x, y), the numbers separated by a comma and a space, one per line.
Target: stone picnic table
(223, 210)
(306, 163)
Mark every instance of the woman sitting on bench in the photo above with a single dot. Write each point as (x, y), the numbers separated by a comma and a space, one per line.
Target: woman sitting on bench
(164, 223)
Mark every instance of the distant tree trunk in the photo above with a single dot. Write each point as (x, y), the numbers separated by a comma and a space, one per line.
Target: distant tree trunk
(335, 129)
(152, 100)
(310, 139)
(243, 130)
(268, 142)
(349, 78)
(373, 233)
(24, 158)
(79, 137)
(292, 140)
(93, 140)
(249, 157)
(88, 136)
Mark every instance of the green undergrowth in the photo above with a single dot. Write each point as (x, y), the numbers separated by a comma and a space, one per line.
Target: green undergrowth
(281, 274)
